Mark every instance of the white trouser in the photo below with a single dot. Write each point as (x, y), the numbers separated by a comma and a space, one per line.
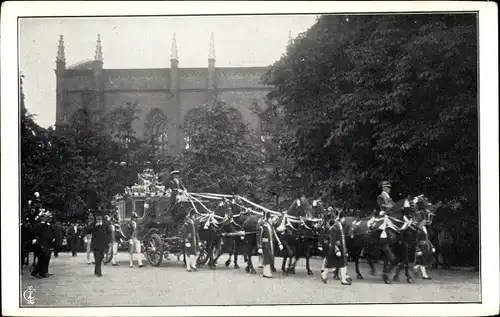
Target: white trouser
(191, 262)
(422, 270)
(115, 252)
(342, 274)
(87, 248)
(267, 270)
(135, 245)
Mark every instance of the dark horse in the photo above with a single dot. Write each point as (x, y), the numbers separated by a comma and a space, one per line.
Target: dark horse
(299, 234)
(211, 227)
(237, 217)
(421, 210)
(373, 239)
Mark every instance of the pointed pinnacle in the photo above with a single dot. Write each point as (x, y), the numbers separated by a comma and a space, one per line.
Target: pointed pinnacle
(211, 51)
(98, 49)
(174, 53)
(60, 50)
(290, 39)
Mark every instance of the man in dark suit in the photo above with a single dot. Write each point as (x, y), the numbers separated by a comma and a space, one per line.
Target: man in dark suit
(72, 235)
(101, 238)
(43, 239)
(58, 236)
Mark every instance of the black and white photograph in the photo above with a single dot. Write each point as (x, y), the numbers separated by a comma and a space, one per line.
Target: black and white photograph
(284, 158)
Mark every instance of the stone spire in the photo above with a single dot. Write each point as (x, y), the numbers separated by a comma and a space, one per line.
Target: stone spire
(211, 51)
(60, 50)
(290, 39)
(174, 54)
(98, 49)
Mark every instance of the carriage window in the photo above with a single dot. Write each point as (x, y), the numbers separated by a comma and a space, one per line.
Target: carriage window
(139, 208)
(129, 206)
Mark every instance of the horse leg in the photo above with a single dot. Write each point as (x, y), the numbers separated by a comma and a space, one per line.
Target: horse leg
(230, 252)
(308, 268)
(386, 269)
(406, 261)
(283, 265)
(237, 247)
(399, 267)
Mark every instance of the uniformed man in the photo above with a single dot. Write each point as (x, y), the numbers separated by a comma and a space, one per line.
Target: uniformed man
(423, 251)
(384, 201)
(337, 253)
(175, 185)
(134, 243)
(192, 242)
(266, 237)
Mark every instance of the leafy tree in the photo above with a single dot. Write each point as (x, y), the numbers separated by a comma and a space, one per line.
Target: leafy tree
(367, 98)
(223, 152)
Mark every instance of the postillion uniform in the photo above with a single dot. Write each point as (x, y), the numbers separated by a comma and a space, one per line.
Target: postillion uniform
(266, 237)
(191, 243)
(134, 243)
(337, 253)
(423, 251)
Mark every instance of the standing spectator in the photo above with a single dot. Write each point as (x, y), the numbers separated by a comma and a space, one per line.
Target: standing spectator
(445, 245)
(58, 237)
(87, 239)
(72, 234)
(101, 234)
(43, 239)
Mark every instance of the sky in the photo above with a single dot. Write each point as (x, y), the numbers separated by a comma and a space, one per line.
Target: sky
(145, 42)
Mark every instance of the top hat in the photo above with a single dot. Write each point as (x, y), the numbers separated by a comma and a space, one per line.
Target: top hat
(385, 184)
(175, 172)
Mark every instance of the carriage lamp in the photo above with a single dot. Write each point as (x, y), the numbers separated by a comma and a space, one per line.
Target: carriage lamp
(146, 205)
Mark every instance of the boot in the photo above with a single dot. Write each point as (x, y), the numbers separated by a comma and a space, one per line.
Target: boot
(324, 275)
(424, 273)
(188, 263)
(267, 271)
(343, 276)
(192, 259)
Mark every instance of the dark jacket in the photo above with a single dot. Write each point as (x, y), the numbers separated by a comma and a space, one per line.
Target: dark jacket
(44, 234)
(101, 236)
(58, 234)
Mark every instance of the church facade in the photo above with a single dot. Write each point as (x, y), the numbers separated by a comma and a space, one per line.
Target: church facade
(164, 96)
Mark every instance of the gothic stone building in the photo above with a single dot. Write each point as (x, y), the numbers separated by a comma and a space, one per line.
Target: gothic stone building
(164, 95)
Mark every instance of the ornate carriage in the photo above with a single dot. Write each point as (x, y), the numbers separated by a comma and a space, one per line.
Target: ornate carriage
(160, 218)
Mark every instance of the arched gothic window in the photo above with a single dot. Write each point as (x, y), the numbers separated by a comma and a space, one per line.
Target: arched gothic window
(235, 114)
(156, 130)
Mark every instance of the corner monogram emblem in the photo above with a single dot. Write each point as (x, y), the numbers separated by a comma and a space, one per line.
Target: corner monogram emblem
(29, 295)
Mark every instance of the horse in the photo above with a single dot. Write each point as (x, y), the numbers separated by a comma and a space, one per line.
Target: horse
(298, 232)
(211, 226)
(237, 217)
(421, 211)
(250, 225)
(373, 239)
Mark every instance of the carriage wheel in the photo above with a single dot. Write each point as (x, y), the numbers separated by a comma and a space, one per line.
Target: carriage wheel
(154, 250)
(108, 255)
(144, 250)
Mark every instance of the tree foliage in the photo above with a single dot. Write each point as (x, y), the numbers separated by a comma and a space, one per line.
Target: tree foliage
(223, 153)
(367, 98)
